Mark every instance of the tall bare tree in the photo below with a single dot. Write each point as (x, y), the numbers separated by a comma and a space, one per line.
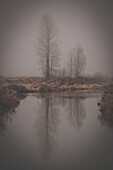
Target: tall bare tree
(47, 47)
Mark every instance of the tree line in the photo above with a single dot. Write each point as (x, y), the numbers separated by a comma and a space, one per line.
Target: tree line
(49, 53)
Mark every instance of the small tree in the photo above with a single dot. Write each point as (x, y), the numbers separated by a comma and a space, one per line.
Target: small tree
(79, 61)
(47, 47)
(54, 59)
(76, 62)
(70, 64)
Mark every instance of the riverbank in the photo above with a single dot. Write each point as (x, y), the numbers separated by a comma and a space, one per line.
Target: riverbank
(11, 88)
(38, 84)
(106, 107)
(10, 97)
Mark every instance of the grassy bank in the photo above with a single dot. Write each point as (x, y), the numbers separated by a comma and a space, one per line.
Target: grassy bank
(38, 84)
(12, 87)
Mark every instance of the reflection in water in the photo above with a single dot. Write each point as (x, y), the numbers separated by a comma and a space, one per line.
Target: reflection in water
(8, 115)
(56, 138)
(4, 118)
(47, 124)
(106, 121)
(76, 111)
(106, 109)
(48, 120)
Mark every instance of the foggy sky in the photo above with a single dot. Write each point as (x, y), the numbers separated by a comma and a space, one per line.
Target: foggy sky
(88, 22)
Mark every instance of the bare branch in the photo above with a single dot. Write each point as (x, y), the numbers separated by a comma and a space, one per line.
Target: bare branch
(47, 47)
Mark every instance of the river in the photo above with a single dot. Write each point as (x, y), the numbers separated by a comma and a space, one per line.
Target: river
(56, 132)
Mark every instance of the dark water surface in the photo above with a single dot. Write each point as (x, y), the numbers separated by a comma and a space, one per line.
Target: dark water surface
(56, 132)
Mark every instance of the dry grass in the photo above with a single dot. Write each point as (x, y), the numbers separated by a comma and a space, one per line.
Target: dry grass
(11, 87)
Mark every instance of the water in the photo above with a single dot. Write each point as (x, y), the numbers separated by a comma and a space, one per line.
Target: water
(56, 132)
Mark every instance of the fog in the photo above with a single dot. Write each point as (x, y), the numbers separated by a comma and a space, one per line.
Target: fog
(86, 22)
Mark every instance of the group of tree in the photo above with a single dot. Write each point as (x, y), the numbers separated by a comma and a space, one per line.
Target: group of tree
(49, 53)
(76, 62)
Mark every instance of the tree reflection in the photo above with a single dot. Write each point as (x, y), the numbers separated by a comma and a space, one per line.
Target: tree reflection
(76, 111)
(8, 113)
(47, 124)
(48, 118)
(4, 118)
(106, 109)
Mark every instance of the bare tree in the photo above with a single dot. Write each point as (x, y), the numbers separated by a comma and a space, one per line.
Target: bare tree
(70, 64)
(54, 59)
(79, 61)
(76, 61)
(47, 47)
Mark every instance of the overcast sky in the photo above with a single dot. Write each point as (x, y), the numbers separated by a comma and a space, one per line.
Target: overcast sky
(87, 22)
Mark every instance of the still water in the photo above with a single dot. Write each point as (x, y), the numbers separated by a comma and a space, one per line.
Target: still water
(56, 132)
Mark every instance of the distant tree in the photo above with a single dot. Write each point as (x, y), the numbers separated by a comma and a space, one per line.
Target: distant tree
(70, 64)
(54, 59)
(98, 76)
(79, 61)
(47, 47)
(76, 61)
(63, 73)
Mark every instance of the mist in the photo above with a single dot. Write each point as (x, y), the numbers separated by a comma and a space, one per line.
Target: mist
(56, 84)
(88, 23)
